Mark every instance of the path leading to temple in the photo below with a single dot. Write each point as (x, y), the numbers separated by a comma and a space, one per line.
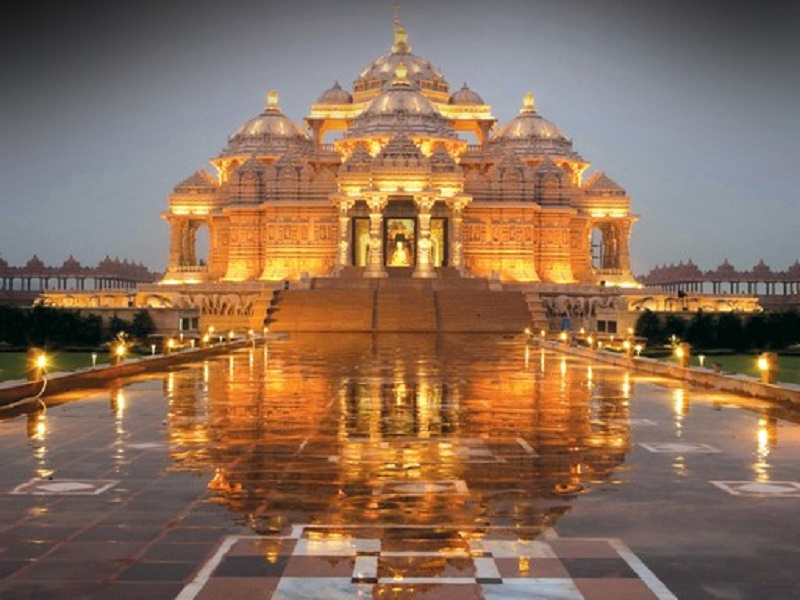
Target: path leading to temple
(399, 305)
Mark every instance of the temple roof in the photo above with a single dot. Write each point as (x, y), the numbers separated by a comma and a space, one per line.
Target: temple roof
(400, 146)
(380, 72)
(466, 96)
(198, 179)
(401, 108)
(530, 134)
(600, 182)
(335, 95)
(271, 132)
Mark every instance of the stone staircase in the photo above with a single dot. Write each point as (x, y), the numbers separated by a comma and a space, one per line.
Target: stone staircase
(482, 311)
(333, 310)
(407, 310)
(399, 304)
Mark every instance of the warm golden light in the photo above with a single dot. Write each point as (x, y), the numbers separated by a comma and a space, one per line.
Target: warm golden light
(763, 364)
(41, 361)
(679, 352)
(563, 336)
(120, 351)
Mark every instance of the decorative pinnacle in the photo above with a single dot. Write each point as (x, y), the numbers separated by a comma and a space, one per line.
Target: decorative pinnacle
(400, 35)
(528, 103)
(272, 100)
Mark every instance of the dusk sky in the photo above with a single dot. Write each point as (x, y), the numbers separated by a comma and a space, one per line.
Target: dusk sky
(691, 106)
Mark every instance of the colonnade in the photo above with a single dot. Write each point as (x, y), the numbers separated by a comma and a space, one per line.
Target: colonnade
(377, 203)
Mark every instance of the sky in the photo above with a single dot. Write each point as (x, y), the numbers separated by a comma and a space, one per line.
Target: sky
(690, 106)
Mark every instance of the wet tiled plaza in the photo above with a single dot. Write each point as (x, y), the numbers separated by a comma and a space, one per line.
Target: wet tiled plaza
(400, 467)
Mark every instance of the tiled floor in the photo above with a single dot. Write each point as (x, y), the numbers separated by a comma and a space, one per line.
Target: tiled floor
(400, 467)
(348, 562)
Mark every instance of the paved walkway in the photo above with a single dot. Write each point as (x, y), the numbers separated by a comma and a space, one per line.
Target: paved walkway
(400, 467)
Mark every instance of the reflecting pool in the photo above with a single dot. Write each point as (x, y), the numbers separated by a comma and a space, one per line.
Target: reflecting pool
(394, 466)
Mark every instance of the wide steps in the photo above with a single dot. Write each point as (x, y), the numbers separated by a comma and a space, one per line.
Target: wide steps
(405, 310)
(322, 310)
(482, 311)
(401, 305)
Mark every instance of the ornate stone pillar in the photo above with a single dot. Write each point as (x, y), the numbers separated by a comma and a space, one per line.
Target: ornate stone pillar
(176, 237)
(344, 204)
(424, 204)
(457, 205)
(623, 246)
(376, 203)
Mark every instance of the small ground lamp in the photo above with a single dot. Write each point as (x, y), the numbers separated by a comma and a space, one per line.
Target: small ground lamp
(683, 352)
(39, 362)
(563, 336)
(119, 354)
(170, 345)
(768, 367)
(230, 336)
(628, 348)
(701, 358)
(638, 349)
(590, 341)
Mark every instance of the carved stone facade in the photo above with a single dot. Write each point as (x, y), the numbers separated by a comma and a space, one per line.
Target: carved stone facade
(399, 187)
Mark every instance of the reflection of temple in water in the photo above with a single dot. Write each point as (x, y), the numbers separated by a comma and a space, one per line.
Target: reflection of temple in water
(365, 432)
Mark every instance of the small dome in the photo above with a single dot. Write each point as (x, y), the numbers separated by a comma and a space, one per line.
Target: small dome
(530, 134)
(335, 95)
(466, 96)
(269, 133)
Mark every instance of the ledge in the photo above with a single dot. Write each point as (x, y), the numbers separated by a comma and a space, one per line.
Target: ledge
(17, 391)
(784, 393)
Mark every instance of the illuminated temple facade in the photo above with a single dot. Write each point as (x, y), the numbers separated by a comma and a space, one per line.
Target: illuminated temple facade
(399, 175)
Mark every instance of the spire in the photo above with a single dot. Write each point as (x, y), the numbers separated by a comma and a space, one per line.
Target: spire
(400, 35)
(528, 103)
(272, 101)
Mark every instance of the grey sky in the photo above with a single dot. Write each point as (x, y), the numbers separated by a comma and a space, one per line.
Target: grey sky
(691, 106)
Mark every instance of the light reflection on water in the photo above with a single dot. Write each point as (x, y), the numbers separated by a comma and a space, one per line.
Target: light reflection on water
(413, 430)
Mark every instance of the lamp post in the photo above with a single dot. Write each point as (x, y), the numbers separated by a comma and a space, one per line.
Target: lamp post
(768, 366)
(628, 347)
(683, 352)
(38, 360)
(170, 345)
(119, 354)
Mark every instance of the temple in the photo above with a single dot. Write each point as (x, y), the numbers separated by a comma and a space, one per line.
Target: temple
(401, 205)
(399, 174)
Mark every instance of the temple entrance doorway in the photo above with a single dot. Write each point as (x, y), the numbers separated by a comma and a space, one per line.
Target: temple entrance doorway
(400, 242)
(400, 239)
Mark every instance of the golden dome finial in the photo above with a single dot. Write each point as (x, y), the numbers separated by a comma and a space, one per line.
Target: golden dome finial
(272, 99)
(528, 103)
(400, 35)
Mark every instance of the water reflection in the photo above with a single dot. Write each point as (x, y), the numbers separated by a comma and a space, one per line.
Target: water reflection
(360, 429)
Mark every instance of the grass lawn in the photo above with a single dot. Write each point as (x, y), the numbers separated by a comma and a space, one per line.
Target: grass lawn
(788, 366)
(13, 364)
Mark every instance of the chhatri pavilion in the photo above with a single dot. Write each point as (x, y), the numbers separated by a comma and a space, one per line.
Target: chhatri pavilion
(383, 178)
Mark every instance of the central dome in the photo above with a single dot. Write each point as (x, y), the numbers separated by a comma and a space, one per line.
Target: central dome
(421, 73)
